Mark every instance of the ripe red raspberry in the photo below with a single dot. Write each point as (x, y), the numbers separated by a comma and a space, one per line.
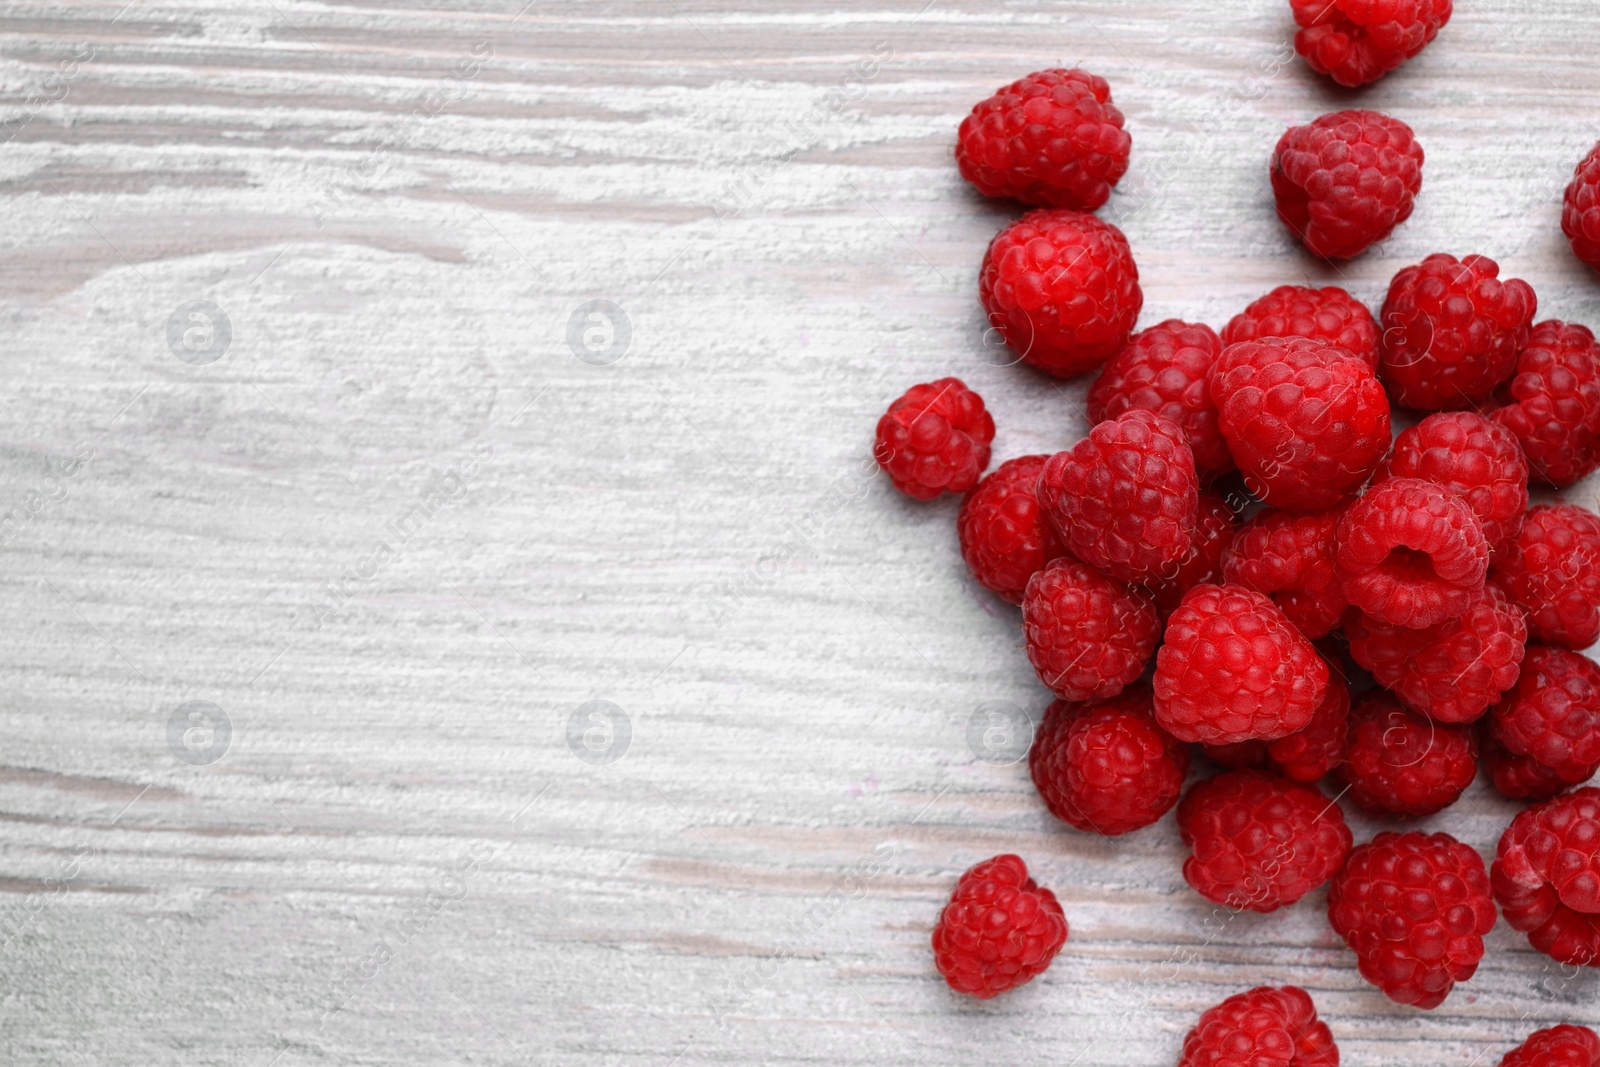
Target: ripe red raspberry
(1264, 1027)
(1289, 557)
(1452, 329)
(1052, 139)
(1163, 370)
(1411, 554)
(1004, 535)
(1062, 289)
(1307, 754)
(1330, 314)
(1517, 777)
(1259, 842)
(1359, 41)
(1087, 635)
(1214, 532)
(1555, 403)
(1580, 209)
(1414, 907)
(1307, 423)
(1400, 764)
(1125, 498)
(1552, 716)
(935, 439)
(1232, 668)
(1559, 1046)
(1346, 181)
(1473, 457)
(1451, 671)
(1553, 572)
(1107, 768)
(999, 930)
(1547, 877)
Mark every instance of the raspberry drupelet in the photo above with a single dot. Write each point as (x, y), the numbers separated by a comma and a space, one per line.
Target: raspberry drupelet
(1580, 209)
(1554, 407)
(1290, 558)
(1051, 139)
(1552, 571)
(1346, 180)
(1309, 753)
(1403, 765)
(1474, 458)
(1359, 41)
(1087, 635)
(1558, 1046)
(1003, 533)
(1214, 532)
(1329, 314)
(999, 930)
(1411, 554)
(1552, 716)
(1514, 776)
(935, 439)
(1163, 370)
(1262, 1027)
(1547, 877)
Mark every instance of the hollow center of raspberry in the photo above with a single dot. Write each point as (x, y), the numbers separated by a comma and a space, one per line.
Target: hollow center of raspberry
(1409, 566)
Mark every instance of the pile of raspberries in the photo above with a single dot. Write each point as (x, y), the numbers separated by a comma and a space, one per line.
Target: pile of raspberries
(1241, 556)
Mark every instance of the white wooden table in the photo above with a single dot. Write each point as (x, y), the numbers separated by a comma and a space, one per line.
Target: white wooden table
(295, 442)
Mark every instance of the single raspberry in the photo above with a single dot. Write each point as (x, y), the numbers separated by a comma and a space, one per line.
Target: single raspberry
(1359, 41)
(1163, 369)
(1052, 139)
(1259, 842)
(1306, 755)
(1555, 402)
(1004, 535)
(1414, 907)
(1125, 498)
(1107, 768)
(1452, 329)
(1451, 671)
(1547, 876)
(1289, 557)
(1232, 668)
(1399, 764)
(1559, 1046)
(1264, 1027)
(1214, 531)
(1473, 457)
(934, 439)
(1087, 635)
(1346, 181)
(999, 930)
(1514, 776)
(1329, 314)
(1580, 209)
(1553, 572)
(1062, 289)
(1411, 554)
(1552, 716)
(1306, 422)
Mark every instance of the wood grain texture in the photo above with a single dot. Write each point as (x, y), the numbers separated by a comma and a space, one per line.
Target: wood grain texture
(399, 533)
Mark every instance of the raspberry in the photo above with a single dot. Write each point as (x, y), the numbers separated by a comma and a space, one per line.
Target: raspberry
(1062, 289)
(1451, 671)
(1580, 209)
(1290, 558)
(1214, 532)
(1553, 573)
(1163, 370)
(999, 930)
(1359, 41)
(1264, 1027)
(1555, 403)
(1452, 329)
(1306, 755)
(1087, 635)
(1552, 717)
(1259, 842)
(1414, 907)
(1306, 422)
(1346, 181)
(1516, 776)
(1125, 498)
(1232, 668)
(1400, 764)
(934, 439)
(1411, 554)
(1547, 877)
(1559, 1046)
(1330, 315)
(1475, 459)
(1003, 533)
(1107, 768)
(1051, 139)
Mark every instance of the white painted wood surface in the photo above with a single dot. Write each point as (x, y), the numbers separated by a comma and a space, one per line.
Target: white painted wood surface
(398, 857)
